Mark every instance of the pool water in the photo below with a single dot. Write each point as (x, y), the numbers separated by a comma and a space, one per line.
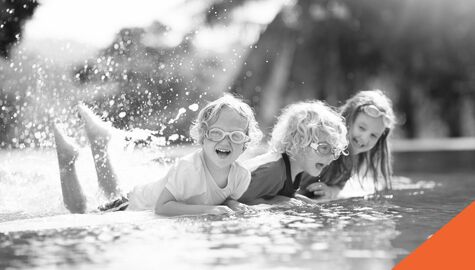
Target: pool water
(357, 233)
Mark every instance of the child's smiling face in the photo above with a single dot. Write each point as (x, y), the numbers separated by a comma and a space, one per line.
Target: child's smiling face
(224, 152)
(365, 133)
(313, 162)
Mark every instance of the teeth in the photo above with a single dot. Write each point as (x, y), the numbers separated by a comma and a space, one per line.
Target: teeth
(223, 150)
(358, 144)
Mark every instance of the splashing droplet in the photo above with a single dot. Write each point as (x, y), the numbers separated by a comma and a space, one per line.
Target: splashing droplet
(193, 107)
(173, 137)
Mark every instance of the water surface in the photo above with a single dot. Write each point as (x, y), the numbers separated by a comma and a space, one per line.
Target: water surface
(357, 233)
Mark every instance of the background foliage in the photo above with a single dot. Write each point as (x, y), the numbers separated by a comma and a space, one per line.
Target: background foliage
(419, 52)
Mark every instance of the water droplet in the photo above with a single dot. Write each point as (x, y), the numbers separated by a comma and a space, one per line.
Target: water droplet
(193, 107)
(173, 137)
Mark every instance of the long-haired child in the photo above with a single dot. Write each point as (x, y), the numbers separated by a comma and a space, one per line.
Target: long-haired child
(367, 169)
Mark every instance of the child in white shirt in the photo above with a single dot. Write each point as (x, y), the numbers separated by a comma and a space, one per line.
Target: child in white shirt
(198, 183)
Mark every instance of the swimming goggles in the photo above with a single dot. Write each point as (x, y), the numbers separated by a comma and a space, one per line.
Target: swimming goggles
(325, 149)
(217, 134)
(375, 112)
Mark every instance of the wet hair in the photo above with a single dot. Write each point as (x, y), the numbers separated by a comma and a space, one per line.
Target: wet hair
(378, 159)
(210, 113)
(303, 123)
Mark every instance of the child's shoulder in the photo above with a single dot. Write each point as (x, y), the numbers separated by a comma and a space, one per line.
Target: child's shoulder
(192, 160)
(239, 165)
(263, 161)
(238, 168)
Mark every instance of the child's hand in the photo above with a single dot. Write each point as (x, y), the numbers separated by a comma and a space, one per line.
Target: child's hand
(292, 202)
(239, 207)
(220, 209)
(284, 201)
(323, 191)
(304, 199)
(236, 206)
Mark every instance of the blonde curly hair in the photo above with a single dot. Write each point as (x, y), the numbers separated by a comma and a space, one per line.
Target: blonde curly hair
(303, 123)
(209, 114)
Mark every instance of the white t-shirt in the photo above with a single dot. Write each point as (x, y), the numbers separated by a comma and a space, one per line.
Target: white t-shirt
(189, 181)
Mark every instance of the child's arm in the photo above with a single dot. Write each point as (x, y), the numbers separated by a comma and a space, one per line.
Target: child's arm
(278, 200)
(322, 191)
(274, 200)
(304, 199)
(167, 205)
(238, 207)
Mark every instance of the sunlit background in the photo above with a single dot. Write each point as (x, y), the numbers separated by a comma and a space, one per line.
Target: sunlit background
(148, 64)
(153, 64)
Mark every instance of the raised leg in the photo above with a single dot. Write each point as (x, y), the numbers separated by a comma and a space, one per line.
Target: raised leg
(99, 135)
(73, 195)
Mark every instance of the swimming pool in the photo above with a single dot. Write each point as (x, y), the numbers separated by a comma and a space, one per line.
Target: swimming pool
(357, 233)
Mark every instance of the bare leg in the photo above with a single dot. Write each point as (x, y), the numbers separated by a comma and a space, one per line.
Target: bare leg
(99, 135)
(73, 196)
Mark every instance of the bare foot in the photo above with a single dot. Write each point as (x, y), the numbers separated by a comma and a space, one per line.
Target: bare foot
(65, 146)
(97, 130)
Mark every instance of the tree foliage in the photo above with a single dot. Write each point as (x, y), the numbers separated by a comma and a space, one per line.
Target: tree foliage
(418, 51)
(13, 14)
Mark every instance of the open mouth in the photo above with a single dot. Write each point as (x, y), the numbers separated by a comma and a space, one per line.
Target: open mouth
(355, 142)
(223, 153)
(319, 166)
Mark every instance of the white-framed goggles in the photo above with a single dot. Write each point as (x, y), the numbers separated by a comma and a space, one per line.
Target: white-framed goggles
(216, 134)
(325, 149)
(375, 112)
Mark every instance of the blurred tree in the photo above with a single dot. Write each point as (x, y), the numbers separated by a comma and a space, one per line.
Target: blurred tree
(6, 115)
(328, 55)
(150, 83)
(13, 14)
(339, 47)
(420, 52)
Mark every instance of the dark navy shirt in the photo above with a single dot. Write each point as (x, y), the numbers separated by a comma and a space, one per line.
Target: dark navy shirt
(270, 176)
(336, 174)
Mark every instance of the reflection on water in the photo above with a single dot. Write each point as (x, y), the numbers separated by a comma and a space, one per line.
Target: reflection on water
(343, 235)
(358, 233)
